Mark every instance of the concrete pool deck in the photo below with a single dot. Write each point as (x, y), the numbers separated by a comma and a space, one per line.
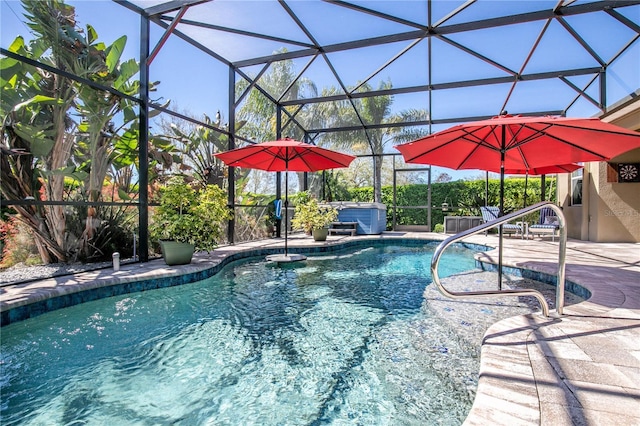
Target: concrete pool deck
(582, 368)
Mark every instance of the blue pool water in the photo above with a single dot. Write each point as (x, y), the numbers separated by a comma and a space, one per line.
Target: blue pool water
(338, 339)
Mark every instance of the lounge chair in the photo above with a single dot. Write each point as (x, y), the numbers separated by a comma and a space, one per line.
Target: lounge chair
(490, 213)
(549, 224)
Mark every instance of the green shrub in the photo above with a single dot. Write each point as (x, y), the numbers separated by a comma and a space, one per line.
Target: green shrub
(19, 244)
(463, 197)
(309, 215)
(190, 216)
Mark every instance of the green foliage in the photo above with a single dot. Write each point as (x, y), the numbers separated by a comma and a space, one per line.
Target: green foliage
(309, 215)
(336, 188)
(463, 197)
(17, 244)
(193, 147)
(190, 216)
(439, 227)
(112, 229)
(66, 130)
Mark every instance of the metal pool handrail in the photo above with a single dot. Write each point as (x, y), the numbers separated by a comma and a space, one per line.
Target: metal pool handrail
(435, 260)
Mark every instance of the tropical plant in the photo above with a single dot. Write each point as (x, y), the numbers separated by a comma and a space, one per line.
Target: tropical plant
(309, 215)
(191, 216)
(44, 145)
(96, 147)
(36, 127)
(195, 146)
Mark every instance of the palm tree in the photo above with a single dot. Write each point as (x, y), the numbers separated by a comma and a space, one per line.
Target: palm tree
(372, 111)
(258, 112)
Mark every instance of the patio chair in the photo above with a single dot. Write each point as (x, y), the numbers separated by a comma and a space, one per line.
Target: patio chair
(490, 213)
(549, 224)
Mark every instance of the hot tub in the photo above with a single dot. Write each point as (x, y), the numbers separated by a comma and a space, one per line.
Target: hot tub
(370, 217)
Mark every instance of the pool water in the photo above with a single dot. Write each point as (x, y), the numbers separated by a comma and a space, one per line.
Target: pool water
(338, 339)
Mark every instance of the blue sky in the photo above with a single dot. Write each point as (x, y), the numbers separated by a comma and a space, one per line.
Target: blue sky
(197, 83)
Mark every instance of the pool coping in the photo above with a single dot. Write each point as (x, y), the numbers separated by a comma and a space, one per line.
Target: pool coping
(528, 372)
(69, 290)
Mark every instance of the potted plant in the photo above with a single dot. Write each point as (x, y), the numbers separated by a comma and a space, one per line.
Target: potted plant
(311, 217)
(188, 220)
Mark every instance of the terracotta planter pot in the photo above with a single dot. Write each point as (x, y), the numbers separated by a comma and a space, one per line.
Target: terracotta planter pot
(175, 253)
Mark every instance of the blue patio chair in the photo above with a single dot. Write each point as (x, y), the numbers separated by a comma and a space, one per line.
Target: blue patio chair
(490, 213)
(549, 224)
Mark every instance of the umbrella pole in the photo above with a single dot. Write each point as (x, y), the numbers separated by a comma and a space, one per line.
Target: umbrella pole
(500, 235)
(486, 189)
(502, 153)
(286, 209)
(526, 179)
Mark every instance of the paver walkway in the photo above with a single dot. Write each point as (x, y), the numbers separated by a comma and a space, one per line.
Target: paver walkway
(582, 368)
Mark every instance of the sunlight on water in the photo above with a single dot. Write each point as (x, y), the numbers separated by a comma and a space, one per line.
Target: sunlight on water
(340, 340)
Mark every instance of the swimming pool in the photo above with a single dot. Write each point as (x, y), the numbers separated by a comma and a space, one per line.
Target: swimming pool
(341, 339)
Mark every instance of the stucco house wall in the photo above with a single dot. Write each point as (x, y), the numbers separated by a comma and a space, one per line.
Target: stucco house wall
(610, 211)
(617, 206)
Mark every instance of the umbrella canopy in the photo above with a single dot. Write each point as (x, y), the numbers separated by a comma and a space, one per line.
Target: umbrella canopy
(285, 155)
(545, 170)
(511, 142)
(521, 143)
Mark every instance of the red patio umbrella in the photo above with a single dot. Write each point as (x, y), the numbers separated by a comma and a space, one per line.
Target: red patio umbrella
(285, 155)
(546, 170)
(520, 143)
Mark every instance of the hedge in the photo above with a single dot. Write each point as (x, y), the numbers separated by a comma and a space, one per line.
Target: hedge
(463, 197)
